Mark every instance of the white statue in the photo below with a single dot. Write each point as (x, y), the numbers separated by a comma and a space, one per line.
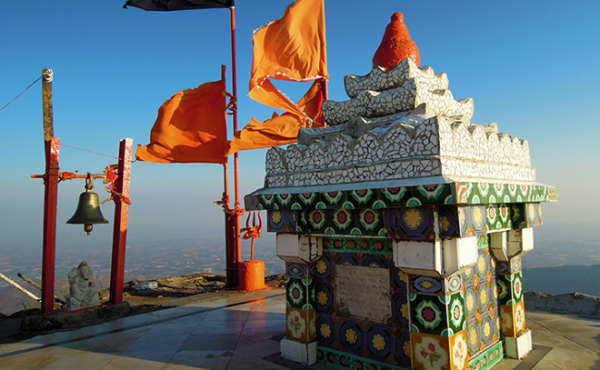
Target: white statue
(82, 290)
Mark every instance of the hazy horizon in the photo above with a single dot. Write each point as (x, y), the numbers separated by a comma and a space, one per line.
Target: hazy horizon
(525, 66)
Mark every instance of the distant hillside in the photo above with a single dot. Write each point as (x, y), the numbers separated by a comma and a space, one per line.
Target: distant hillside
(563, 279)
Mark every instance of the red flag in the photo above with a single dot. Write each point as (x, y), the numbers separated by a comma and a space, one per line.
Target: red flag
(190, 128)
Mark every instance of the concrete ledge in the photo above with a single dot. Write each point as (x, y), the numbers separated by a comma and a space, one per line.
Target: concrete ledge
(571, 303)
(62, 320)
(302, 352)
(520, 346)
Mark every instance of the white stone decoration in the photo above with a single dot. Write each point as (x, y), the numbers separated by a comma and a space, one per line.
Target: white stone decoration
(435, 258)
(400, 123)
(508, 244)
(295, 248)
(520, 346)
(82, 291)
(302, 352)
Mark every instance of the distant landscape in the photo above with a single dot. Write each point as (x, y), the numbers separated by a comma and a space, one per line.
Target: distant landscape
(559, 263)
(149, 260)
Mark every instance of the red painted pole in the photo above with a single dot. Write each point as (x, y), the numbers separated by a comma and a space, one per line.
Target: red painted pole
(230, 262)
(117, 269)
(236, 165)
(51, 150)
(49, 238)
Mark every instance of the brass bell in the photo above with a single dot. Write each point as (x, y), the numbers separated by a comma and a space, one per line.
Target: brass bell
(88, 209)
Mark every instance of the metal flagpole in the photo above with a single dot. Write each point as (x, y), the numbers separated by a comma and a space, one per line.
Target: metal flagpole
(237, 250)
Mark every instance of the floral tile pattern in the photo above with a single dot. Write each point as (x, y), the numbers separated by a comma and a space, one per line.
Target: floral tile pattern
(345, 360)
(300, 324)
(481, 303)
(300, 293)
(454, 193)
(512, 319)
(346, 341)
(430, 352)
(358, 245)
(488, 358)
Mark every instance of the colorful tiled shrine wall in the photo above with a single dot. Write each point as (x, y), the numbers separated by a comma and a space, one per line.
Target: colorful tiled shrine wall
(461, 311)
(408, 223)
(433, 323)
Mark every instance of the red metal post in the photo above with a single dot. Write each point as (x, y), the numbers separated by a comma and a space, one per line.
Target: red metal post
(49, 238)
(117, 269)
(236, 216)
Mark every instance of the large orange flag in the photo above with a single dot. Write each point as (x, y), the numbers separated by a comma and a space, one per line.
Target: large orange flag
(292, 48)
(191, 127)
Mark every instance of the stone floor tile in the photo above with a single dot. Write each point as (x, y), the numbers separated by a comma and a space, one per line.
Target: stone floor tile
(30, 360)
(210, 342)
(109, 343)
(227, 315)
(216, 327)
(163, 341)
(75, 359)
(213, 360)
(153, 360)
(569, 360)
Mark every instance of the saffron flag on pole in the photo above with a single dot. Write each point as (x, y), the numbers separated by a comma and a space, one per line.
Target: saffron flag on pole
(292, 48)
(171, 5)
(190, 128)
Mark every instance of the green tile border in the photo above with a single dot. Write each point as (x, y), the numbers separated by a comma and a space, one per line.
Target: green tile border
(457, 193)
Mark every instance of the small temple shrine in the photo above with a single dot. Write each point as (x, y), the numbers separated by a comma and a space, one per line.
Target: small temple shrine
(402, 225)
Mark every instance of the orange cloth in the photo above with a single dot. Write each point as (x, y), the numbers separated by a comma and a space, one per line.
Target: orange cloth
(396, 45)
(191, 127)
(280, 129)
(292, 48)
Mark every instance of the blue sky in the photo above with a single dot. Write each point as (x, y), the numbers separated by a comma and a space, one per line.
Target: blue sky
(531, 67)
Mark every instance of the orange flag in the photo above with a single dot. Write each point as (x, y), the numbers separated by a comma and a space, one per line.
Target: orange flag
(190, 128)
(292, 48)
(280, 129)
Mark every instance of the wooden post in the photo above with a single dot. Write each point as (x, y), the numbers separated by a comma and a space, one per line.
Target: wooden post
(52, 150)
(47, 77)
(117, 269)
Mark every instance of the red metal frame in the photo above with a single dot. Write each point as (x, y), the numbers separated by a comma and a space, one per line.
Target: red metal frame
(117, 269)
(235, 218)
(52, 147)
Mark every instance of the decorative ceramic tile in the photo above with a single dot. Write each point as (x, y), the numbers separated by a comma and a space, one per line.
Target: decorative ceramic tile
(387, 343)
(300, 324)
(281, 221)
(509, 267)
(456, 313)
(429, 314)
(526, 215)
(489, 193)
(512, 319)
(488, 358)
(463, 193)
(430, 352)
(411, 223)
(300, 293)
(481, 303)
(341, 222)
(510, 288)
(459, 353)
(345, 360)
(296, 270)
(358, 245)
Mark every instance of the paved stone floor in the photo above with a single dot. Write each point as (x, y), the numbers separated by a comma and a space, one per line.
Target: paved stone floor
(243, 332)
